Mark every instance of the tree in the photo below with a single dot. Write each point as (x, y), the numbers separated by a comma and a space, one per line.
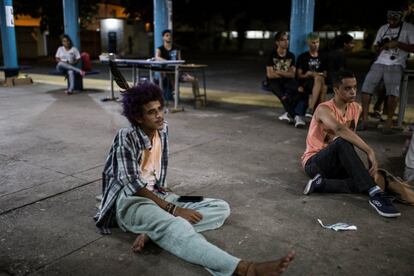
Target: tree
(142, 9)
(354, 13)
(49, 10)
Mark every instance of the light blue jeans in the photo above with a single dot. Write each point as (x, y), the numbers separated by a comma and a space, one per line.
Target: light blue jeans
(66, 68)
(175, 234)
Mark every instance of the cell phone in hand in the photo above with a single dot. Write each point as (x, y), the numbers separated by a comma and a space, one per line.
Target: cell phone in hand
(190, 198)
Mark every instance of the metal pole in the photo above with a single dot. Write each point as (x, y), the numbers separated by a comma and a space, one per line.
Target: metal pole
(71, 24)
(71, 21)
(8, 38)
(403, 99)
(301, 23)
(112, 85)
(176, 95)
(134, 75)
(204, 84)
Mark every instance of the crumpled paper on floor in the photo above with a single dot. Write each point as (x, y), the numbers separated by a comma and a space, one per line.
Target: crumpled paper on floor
(340, 226)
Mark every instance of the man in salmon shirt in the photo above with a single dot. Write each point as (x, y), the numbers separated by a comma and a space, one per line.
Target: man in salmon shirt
(330, 158)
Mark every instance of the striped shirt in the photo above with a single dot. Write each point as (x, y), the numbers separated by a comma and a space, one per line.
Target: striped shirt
(122, 170)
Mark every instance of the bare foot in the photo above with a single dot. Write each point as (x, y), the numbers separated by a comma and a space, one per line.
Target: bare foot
(139, 243)
(271, 268)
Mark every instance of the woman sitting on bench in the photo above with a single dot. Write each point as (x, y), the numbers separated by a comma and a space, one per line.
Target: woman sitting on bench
(67, 56)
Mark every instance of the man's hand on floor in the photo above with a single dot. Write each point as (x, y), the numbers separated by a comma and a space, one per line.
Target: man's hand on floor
(191, 215)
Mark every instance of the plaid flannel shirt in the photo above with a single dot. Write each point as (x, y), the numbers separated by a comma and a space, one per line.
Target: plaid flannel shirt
(122, 171)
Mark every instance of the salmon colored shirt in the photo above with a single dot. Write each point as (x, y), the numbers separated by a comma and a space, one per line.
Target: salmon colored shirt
(319, 137)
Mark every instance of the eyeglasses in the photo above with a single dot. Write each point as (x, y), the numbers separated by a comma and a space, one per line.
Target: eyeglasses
(394, 17)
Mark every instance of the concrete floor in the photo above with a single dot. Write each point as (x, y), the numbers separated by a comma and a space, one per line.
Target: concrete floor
(53, 147)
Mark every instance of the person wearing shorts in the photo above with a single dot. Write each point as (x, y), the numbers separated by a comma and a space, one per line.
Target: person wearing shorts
(393, 42)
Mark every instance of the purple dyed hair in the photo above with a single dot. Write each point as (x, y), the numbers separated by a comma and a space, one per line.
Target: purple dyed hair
(136, 97)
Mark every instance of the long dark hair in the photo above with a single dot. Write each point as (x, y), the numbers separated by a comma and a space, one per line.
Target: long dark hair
(68, 38)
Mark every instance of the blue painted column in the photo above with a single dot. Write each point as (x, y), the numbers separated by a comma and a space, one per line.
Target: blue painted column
(162, 20)
(301, 23)
(71, 21)
(8, 38)
(71, 25)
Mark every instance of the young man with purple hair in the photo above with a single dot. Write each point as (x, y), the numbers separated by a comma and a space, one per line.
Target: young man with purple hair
(134, 195)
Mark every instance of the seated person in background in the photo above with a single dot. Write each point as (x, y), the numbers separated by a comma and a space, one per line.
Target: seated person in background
(135, 198)
(330, 158)
(280, 75)
(336, 58)
(311, 73)
(67, 56)
(168, 51)
(393, 43)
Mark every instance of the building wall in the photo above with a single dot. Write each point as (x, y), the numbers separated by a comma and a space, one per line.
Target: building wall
(132, 39)
(91, 43)
(137, 41)
(28, 40)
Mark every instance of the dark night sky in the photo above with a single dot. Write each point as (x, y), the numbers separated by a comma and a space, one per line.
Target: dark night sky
(344, 14)
(219, 15)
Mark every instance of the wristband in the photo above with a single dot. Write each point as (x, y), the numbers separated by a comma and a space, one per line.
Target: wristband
(170, 208)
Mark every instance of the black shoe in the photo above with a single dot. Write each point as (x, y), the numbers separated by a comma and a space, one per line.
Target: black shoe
(383, 205)
(309, 113)
(313, 185)
(376, 115)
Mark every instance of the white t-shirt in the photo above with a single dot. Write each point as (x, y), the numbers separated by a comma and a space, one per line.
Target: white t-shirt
(409, 158)
(151, 162)
(69, 56)
(395, 56)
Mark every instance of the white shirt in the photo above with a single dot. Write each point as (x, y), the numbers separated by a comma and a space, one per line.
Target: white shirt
(69, 56)
(400, 56)
(151, 162)
(409, 158)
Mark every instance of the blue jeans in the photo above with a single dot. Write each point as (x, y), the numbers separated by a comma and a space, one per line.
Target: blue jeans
(175, 234)
(287, 92)
(70, 70)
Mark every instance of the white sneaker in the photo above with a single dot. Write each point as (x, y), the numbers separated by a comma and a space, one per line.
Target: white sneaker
(299, 122)
(309, 113)
(285, 117)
